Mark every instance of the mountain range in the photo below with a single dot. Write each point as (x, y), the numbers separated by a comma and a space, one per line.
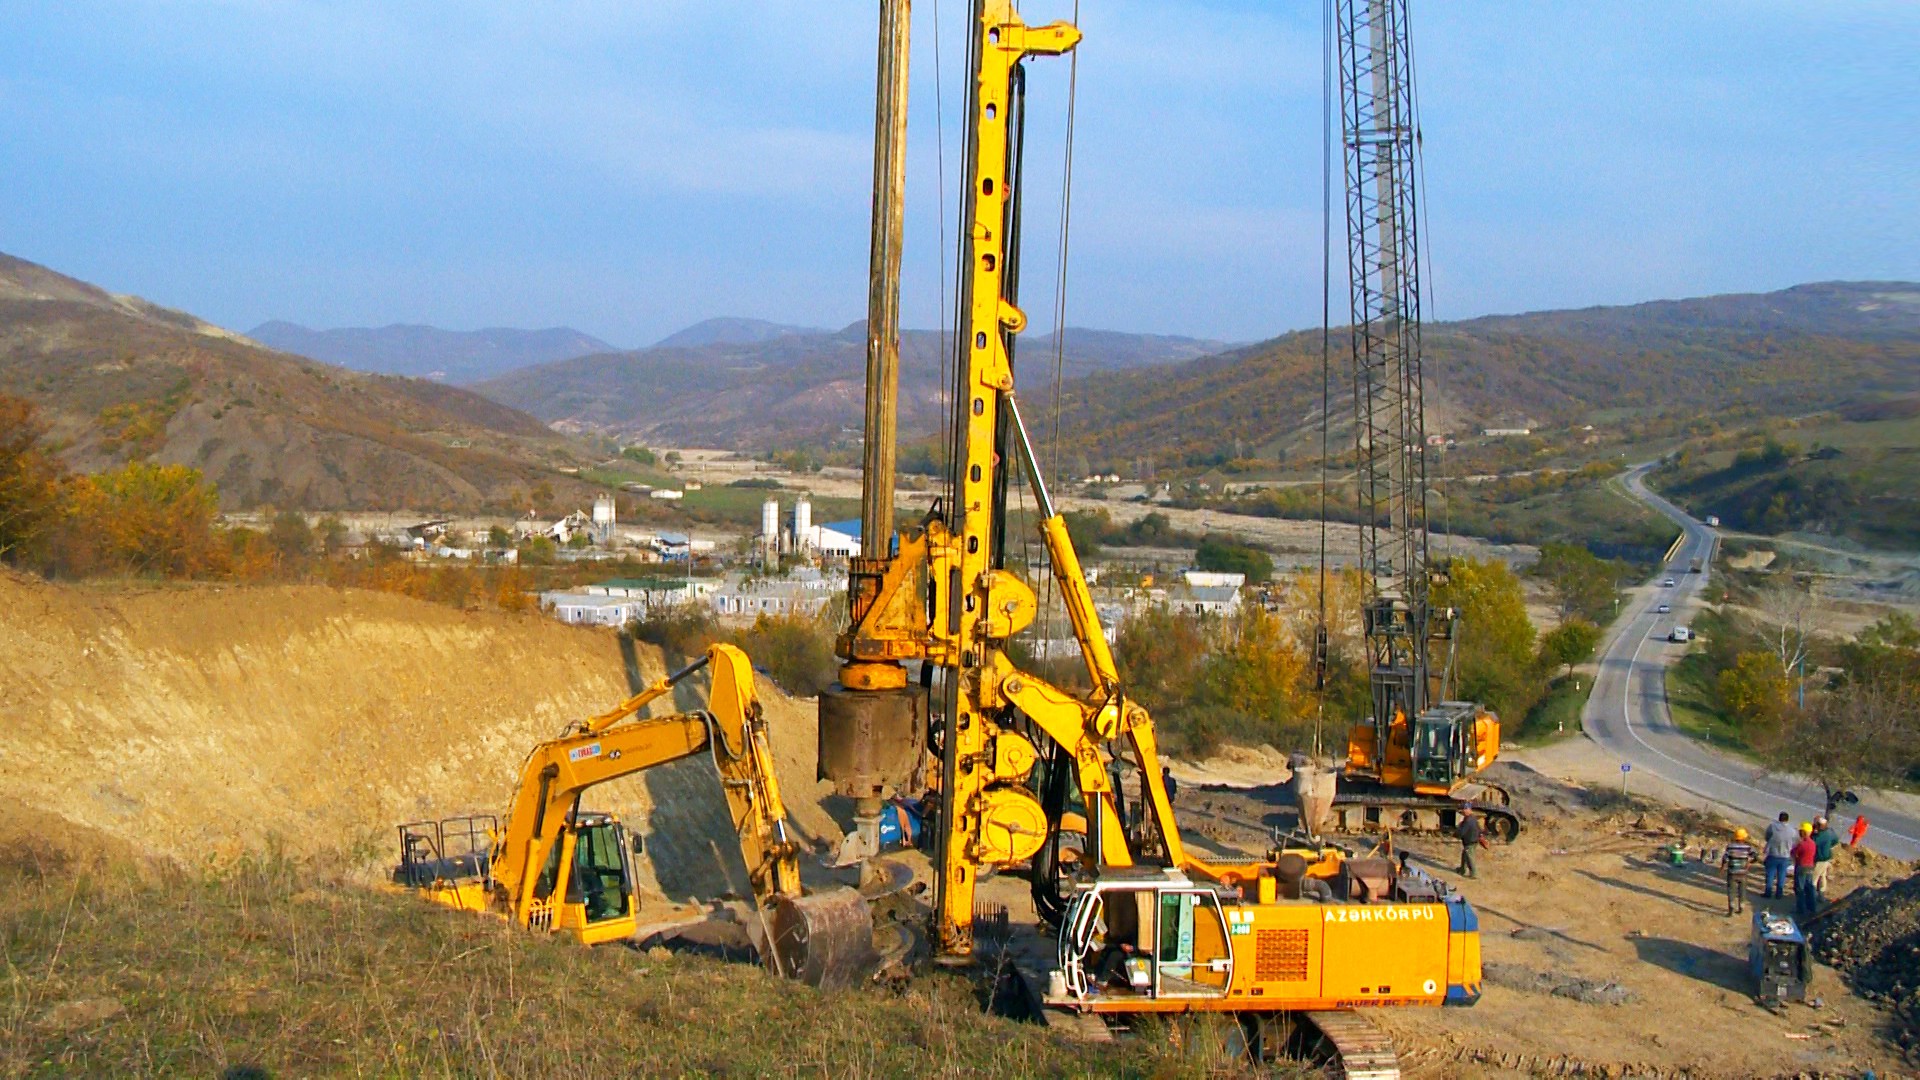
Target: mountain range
(1790, 352)
(118, 378)
(1185, 401)
(428, 352)
(121, 378)
(794, 386)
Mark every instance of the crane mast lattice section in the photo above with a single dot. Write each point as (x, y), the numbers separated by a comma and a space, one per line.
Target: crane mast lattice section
(1379, 148)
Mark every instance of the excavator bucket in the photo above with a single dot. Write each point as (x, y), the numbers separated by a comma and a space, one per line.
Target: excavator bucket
(823, 940)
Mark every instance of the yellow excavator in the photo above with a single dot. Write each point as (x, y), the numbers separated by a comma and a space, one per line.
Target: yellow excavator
(929, 696)
(559, 868)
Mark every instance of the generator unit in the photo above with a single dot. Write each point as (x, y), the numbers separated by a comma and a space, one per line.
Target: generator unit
(1778, 956)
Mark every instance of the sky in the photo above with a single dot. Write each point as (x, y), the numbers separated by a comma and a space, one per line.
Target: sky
(629, 168)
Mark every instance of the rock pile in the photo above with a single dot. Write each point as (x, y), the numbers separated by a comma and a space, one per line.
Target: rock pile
(1873, 940)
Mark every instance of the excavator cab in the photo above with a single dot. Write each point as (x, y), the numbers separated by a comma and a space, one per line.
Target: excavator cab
(591, 871)
(1435, 746)
(1452, 741)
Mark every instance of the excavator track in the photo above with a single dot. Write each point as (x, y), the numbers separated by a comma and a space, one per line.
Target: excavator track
(1358, 810)
(1352, 1045)
(1342, 1042)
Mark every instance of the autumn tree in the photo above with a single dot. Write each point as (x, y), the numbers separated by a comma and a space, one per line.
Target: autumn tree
(30, 482)
(332, 534)
(1226, 555)
(1582, 583)
(1753, 691)
(1860, 733)
(1159, 653)
(1789, 611)
(150, 519)
(1569, 643)
(290, 535)
(1494, 637)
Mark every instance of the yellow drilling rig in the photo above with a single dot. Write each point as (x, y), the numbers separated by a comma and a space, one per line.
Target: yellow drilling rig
(930, 697)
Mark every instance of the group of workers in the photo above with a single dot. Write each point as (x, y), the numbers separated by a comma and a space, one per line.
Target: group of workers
(1807, 852)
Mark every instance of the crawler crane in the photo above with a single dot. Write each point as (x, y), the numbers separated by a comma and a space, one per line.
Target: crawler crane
(929, 694)
(1412, 761)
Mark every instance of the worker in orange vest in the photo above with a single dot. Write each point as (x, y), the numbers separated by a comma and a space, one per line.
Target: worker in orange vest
(1859, 832)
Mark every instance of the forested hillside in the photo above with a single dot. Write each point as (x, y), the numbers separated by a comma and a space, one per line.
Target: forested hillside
(1789, 353)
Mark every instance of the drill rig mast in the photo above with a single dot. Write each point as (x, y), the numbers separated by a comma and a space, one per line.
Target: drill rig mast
(1409, 762)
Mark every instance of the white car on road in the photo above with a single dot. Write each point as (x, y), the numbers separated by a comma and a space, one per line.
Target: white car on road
(1663, 609)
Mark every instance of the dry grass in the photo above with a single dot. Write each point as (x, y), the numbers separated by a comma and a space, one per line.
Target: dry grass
(270, 969)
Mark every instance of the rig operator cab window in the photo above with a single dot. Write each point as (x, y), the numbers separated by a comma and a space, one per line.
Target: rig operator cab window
(1146, 935)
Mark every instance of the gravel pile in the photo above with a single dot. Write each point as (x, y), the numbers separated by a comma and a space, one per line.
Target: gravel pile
(1874, 942)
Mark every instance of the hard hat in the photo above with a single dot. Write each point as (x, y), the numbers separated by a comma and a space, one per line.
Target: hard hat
(1806, 826)
(1739, 834)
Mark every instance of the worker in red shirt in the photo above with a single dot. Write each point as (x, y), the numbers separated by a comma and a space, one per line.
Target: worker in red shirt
(1806, 900)
(1859, 831)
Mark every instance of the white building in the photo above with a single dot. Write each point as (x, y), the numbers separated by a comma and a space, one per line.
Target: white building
(834, 538)
(580, 609)
(1213, 579)
(1204, 599)
(751, 598)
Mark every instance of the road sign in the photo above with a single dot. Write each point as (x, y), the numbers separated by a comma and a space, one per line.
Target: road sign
(1624, 767)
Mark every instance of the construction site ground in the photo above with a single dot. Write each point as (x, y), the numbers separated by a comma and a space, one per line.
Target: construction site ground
(197, 724)
(1599, 953)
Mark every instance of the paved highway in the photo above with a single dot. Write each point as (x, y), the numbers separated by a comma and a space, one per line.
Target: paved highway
(1627, 715)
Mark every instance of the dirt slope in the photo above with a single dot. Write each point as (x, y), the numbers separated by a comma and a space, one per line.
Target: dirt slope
(196, 722)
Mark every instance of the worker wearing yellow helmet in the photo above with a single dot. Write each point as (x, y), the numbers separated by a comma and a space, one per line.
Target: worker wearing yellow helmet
(1735, 858)
(1806, 899)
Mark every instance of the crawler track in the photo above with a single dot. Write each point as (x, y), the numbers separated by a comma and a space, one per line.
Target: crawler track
(1341, 1041)
(1359, 809)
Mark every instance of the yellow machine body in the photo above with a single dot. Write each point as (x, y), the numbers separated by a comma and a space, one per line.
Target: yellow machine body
(1464, 753)
(1186, 945)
